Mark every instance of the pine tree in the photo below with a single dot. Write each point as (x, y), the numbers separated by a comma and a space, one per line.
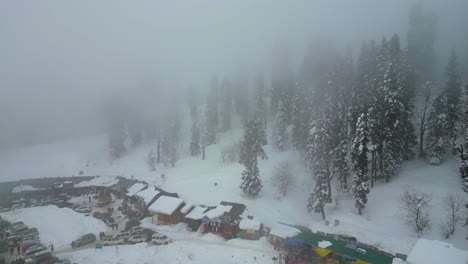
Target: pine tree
(437, 136)
(318, 160)
(301, 117)
(359, 159)
(252, 148)
(463, 149)
(260, 100)
(195, 142)
(212, 112)
(226, 107)
(453, 93)
(135, 130)
(281, 125)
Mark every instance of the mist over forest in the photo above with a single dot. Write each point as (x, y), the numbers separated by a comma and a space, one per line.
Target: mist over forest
(62, 64)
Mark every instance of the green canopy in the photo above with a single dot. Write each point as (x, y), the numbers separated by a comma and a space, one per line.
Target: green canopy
(370, 256)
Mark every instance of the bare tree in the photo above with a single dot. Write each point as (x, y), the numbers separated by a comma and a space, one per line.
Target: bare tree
(422, 115)
(283, 177)
(453, 204)
(416, 206)
(230, 153)
(151, 160)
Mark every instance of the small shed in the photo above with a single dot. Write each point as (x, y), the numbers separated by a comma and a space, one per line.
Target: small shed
(194, 218)
(167, 210)
(279, 233)
(250, 229)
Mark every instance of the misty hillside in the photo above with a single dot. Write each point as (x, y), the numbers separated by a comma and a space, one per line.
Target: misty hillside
(344, 117)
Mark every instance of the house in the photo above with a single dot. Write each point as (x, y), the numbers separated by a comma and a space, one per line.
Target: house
(250, 229)
(224, 219)
(279, 233)
(194, 218)
(145, 198)
(167, 210)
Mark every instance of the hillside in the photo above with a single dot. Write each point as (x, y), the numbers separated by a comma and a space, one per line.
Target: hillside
(194, 180)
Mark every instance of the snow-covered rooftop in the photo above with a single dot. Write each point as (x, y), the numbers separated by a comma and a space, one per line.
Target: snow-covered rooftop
(196, 213)
(135, 188)
(22, 188)
(99, 181)
(218, 211)
(186, 208)
(284, 231)
(165, 205)
(148, 194)
(433, 252)
(248, 224)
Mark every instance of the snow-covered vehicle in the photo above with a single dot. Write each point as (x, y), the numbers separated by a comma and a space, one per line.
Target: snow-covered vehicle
(135, 229)
(83, 209)
(137, 239)
(83, 240)
(112, 241)
(160, 239)
(124, 235)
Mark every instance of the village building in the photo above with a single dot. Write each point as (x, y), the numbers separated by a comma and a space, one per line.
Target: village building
(166, 210)
(194, 218)
(251, 229)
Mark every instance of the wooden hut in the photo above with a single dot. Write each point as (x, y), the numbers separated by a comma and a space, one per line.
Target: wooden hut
(167, 210)
(250, 229)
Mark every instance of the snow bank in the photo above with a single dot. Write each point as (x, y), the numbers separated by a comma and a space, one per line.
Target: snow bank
(324, 244)
(165, 205)
(435, 252)
(99, 181)
(22, 188)
(57, 225)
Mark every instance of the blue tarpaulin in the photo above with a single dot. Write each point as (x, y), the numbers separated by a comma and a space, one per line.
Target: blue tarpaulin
(292, 242)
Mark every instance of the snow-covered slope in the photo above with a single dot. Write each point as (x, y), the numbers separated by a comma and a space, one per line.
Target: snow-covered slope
(209, 182)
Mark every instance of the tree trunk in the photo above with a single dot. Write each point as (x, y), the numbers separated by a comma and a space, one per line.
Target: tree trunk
(203, 152)
(359, 210)
(329, 186)
(422, 131)
(322, 211)
(373, 169)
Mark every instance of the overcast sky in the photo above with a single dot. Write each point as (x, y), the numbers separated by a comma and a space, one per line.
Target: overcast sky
(60, 60)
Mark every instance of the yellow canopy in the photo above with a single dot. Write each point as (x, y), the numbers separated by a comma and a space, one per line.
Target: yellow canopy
(322, 251)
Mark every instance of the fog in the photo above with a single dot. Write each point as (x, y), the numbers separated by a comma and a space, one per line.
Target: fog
(61, 61)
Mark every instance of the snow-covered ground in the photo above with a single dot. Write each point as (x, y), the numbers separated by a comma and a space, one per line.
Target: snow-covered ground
(22, 188)
(210, 181)
(57, 225)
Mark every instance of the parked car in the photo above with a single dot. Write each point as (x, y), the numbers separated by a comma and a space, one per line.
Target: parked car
(83, 209)
(134, 229)
(137, 239)
(34, 249)
(112, 241)
(83, 240)
(160, 239)
(40, 257)
(124, 235)
(131, 223)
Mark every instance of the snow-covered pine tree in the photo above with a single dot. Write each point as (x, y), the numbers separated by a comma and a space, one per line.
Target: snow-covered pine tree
(437, 130)
(252, 148)
(281, 127)
(226, 109)
(260, 100)
(195, 142)
(463, 148)
(212, 112)
(453, 92)
(359, 152)
(318, 160)
(301, 117)
(171, 136)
